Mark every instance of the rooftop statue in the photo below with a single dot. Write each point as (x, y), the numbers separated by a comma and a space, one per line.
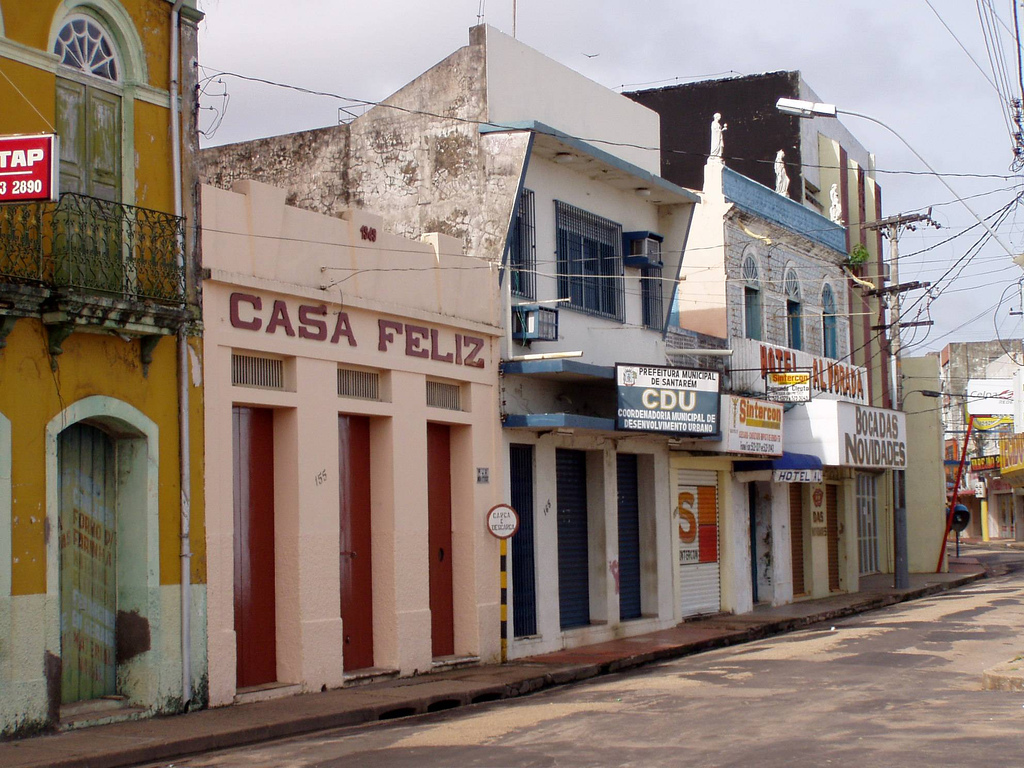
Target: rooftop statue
(781, 177)
(717, 129)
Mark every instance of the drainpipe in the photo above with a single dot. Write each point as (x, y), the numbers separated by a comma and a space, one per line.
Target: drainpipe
(183, 399)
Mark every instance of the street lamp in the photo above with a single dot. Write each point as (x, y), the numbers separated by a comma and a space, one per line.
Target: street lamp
(808, 109)
(811, 109)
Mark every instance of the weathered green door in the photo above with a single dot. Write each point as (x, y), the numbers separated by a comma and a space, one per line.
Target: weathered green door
(88, 236)
(88, 563)
(89, 124)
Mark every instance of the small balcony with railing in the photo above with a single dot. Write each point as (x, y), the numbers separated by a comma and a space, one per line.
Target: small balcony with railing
(86, 261)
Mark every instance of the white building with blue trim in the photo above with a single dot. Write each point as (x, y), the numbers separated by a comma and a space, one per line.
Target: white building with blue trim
(769, 274)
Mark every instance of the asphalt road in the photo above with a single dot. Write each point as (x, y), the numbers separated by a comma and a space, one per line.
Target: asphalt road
(897, 687)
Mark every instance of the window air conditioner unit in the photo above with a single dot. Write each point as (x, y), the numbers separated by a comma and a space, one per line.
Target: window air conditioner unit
(532, 322)
(643, 249)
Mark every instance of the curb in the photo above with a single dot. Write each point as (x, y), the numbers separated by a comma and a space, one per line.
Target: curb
(1008, 676)
(416, 703)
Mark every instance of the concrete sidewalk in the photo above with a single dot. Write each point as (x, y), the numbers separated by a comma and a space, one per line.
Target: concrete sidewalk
(167, 738)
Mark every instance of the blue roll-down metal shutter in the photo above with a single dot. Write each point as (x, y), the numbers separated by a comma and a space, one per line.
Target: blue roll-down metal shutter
(629, 537)
(573, 564)
(524, 591)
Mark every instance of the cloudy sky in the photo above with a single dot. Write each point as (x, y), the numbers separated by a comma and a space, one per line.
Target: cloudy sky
(943, 90)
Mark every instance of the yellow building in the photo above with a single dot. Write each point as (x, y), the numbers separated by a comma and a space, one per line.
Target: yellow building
(101, 510)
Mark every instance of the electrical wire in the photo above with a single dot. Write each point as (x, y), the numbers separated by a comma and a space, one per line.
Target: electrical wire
(556, 134)
(995, 321)
(680, 78)
(28, 101)
(997, 64)
(368, 103)
(974, 61)
(877, 337)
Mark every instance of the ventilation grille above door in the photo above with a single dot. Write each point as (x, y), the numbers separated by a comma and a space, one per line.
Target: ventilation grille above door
(362, 384)
(253, 371)
(443, 395)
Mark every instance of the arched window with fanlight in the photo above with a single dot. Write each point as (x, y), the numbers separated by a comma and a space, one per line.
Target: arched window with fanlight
(829, 323)
(793, 309)
(751, 299)
(89, 110)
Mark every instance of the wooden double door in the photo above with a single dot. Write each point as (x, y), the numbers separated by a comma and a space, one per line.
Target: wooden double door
(439, 539)
(254, 549)
(255, 601)
(356, 540)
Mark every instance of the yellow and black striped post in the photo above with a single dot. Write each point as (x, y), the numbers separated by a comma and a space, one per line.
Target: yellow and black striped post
(504, 600)
(503, 522)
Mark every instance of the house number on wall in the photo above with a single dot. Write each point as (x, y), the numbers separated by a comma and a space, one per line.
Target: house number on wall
(321, 477)
(368, 233)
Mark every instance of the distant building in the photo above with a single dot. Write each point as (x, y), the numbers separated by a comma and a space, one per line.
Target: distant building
(973, 375)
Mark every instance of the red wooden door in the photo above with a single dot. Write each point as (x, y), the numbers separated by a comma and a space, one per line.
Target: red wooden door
(354, 552)
(255, 611)
(439, 538)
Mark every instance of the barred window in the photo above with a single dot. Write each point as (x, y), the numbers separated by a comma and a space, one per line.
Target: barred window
(257, 371)
(361, 384)
(793, 309)
(650, 291)
(441, 394)
(751, 300)
(829, 324)
(522, 257)
(589, 259)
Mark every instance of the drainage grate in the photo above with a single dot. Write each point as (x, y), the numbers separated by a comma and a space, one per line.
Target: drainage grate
(443, 395)
(394, 714)
(362, 384)
(253, 371)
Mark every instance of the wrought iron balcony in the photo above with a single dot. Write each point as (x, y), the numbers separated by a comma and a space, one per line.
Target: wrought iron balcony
(121, 251)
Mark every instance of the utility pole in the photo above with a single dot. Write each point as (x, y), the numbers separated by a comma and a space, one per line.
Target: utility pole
(892, 227)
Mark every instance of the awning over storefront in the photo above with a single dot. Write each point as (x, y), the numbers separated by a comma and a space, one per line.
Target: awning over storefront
(558, 421)
(788, 468)
(787, 460)
(559, 370)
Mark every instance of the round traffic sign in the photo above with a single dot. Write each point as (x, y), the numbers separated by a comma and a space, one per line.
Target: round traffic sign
(502, 521)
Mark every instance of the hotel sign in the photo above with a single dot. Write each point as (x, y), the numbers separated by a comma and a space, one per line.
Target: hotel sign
(28, 168)
(755, 363)
(797, 475)
(677, 401)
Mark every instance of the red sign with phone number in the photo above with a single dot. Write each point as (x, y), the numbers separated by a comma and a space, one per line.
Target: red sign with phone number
(28, 168)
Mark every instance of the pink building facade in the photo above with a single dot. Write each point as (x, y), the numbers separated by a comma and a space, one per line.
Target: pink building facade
(351, 380)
